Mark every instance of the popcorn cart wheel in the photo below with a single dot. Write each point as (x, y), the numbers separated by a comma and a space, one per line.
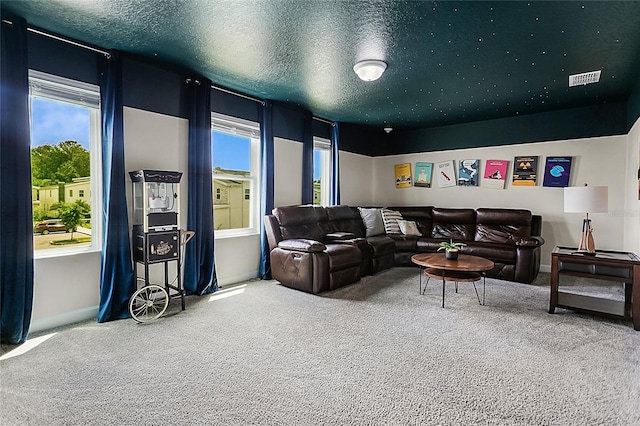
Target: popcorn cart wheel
(149, 302)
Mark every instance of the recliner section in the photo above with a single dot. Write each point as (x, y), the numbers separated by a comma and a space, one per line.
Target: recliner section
(315, 248)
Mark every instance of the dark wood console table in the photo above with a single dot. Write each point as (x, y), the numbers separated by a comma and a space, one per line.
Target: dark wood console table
(615, 266)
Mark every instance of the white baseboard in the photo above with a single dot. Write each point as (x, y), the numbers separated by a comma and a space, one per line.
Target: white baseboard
(233, 279)
(63, 319)
(545, 268)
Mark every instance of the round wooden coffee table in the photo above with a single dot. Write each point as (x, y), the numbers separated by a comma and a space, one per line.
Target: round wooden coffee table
(466, 268)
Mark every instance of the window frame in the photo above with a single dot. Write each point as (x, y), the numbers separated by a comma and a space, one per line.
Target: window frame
(239, 127)
(324, 147)
(61, 89)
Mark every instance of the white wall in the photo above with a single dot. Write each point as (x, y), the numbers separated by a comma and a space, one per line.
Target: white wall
(287, 176)
(156, 142)
(597, 161)
(356, 179)
(66, 289)
(631, 213)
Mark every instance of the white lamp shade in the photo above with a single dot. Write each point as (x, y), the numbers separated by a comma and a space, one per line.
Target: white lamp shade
(370, 70)
(586, 199)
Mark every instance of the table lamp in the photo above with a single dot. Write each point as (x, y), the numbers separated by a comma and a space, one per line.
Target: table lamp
(586, 199)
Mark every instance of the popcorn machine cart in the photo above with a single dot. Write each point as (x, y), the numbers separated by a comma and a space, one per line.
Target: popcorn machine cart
(157, 239)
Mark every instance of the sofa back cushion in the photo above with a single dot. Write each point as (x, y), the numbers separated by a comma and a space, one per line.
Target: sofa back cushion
(372, 219)
(345, 219)
(308, 222)
(453, 224)
(504, 226)
(422, 216)
(390, 220)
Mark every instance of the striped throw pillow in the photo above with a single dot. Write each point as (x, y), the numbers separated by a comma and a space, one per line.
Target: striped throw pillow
(390, 219)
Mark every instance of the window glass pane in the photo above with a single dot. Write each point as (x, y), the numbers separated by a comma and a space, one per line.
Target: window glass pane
(317, 177)
(230, 152)
(61, 140)
(321, 171)
(234, 155)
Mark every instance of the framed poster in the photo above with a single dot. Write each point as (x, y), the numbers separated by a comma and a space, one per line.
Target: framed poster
(446, 174)
(403, 175)
(423, 175)
(557, 171)
(495, 174)
(468, 172)
(525, 171)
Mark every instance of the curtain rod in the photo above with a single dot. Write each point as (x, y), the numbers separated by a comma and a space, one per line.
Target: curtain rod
(324, 121)
(237, 94)
(64, 40)
(222, 89)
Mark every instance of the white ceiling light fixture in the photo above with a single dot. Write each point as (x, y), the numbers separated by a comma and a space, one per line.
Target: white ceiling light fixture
(388, 129)
(370, 69)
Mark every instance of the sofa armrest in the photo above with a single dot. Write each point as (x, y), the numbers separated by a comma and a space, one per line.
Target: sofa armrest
(530, 242)
(340, 236)
(302, 245)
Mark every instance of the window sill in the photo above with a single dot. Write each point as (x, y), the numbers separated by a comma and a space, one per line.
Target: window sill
(52, 253)
(219, 235)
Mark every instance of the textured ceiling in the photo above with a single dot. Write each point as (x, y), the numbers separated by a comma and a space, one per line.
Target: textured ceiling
(448, 62)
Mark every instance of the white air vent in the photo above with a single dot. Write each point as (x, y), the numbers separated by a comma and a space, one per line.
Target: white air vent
(584, 78)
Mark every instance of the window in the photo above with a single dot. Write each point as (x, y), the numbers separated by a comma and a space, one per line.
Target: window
(65, 159)
(235, 154)
(321, 171)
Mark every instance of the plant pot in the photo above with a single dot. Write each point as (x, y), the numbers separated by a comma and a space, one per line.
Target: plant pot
(451, 254)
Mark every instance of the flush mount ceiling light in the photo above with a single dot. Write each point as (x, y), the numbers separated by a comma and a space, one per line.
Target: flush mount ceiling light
(388, 129)
(370, 70)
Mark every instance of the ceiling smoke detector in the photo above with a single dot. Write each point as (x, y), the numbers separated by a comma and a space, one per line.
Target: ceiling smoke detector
(584, 78)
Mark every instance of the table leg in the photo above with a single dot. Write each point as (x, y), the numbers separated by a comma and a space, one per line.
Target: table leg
(553, 301)
(443, 280)
(484, 286)
(635, 298)
(424, 290)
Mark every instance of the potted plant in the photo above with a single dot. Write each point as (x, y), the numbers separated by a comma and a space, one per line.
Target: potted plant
(451, 249)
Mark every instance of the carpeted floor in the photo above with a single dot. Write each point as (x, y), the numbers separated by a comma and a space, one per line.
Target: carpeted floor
(373, 353)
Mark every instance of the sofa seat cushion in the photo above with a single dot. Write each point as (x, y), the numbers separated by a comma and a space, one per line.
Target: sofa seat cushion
(404, 242)
(428, 245)
(381, 245)
(502, 253)
(343, 256)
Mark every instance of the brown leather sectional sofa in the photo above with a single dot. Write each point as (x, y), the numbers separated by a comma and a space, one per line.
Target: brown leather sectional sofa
(315, 248)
